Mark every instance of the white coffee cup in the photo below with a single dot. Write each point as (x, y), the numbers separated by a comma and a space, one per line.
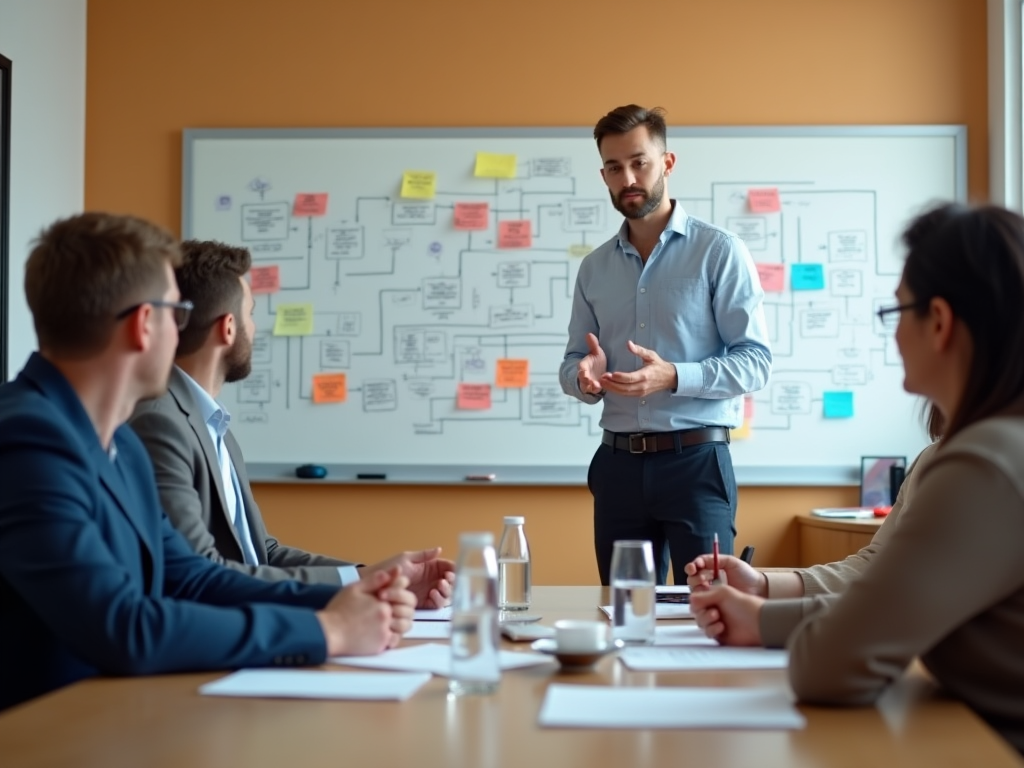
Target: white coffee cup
(578, 636)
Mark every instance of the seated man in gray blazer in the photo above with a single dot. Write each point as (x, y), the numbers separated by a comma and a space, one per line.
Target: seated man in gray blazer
(200, 470)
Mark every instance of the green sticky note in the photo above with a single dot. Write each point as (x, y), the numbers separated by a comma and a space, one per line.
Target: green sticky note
(293, 320)
(839, 405)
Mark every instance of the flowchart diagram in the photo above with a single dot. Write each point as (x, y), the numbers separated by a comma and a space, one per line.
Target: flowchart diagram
(420, 311)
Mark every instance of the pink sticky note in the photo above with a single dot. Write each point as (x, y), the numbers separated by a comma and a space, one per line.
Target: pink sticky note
(472, 216)
(310, 204)
(763, 200)
(773, 277)
(474, 397)
(748, 408)
(515, 234)
(265, 279)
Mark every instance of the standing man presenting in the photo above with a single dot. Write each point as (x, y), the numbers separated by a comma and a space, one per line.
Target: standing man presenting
(667, 329)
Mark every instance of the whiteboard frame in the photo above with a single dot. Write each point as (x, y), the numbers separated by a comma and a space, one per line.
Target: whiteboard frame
(846, 475)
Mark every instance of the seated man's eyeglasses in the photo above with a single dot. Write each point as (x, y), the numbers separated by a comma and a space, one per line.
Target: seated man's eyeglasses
(890, 316)
(182, 310)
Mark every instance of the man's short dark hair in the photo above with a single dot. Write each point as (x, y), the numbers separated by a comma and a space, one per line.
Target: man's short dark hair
(208, 277)
(624, 119)
(84, 270)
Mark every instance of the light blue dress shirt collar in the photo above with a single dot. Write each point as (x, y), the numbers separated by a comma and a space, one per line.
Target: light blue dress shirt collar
(217, 420)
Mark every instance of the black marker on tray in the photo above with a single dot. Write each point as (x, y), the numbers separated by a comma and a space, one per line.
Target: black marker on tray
(484, 478)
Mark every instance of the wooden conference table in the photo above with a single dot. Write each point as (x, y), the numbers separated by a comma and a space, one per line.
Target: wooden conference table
(162, 721)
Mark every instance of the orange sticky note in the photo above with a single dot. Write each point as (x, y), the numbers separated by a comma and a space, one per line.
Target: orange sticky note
(310, 204)
(472, 216)
(330, 388)
(773, 277)
(764, 200)
(265, 279)
(473, 397)
(515, 234)
(512, 374)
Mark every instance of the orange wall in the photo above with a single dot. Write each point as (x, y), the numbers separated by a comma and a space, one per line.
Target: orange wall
(154, 68)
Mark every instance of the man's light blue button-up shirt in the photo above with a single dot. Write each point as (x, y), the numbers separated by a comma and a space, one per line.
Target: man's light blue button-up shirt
(697, 302)
(217, 420)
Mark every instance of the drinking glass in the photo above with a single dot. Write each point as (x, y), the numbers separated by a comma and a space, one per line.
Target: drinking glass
(632, 577)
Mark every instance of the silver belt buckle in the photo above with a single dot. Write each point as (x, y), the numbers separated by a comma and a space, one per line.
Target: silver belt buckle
(643, 443)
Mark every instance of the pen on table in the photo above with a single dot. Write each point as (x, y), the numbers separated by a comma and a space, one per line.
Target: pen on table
(748, 554)
(714, 554)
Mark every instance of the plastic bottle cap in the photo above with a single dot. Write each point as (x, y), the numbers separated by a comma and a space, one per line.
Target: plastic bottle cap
(478, 539)
(515, 520)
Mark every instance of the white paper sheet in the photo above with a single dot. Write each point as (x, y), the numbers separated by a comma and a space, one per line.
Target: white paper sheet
(661, 611)
(682, 634)
(434, 658)
(429, 630)
(594, 706)
(433, 614)
(650, 659)
(308, 684)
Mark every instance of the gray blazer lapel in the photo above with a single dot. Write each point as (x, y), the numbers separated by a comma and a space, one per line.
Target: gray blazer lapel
(179, 389)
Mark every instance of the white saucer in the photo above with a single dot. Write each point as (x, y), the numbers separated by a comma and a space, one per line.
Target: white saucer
(575, 659)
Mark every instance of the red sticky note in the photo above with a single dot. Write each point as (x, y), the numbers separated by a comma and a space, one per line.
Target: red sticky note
(515, 234)
(310, 204)
(473, 397)
(512, 373)
(330, 388)
(748, 408)
(472, 216)
(265, 279)
(764, 200)
(773, 277)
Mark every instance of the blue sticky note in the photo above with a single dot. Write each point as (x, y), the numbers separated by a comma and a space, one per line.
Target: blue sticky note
(807, 277)
(839, 405)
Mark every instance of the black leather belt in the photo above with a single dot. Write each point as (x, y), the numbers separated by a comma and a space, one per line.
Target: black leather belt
(653, 442)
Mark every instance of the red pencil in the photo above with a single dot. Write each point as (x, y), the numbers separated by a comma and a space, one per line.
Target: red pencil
(714, 552)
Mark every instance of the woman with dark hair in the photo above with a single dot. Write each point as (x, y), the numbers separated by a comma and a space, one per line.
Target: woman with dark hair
(948, 586)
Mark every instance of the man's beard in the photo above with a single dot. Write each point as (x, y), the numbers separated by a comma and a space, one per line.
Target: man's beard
(239, 357)
(650, 202)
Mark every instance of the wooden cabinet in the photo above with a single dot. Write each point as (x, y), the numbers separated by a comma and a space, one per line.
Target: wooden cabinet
(827, 540)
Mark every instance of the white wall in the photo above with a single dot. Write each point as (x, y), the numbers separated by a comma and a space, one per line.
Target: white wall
(46, 41)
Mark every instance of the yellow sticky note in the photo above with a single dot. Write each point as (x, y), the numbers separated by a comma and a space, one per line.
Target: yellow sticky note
(293, 320)
(742, 432)
(330, 388)
(492, 166)
(579, 250)
(420, 185)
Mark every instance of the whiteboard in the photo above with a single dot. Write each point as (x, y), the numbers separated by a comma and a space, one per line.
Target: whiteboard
(413, 310)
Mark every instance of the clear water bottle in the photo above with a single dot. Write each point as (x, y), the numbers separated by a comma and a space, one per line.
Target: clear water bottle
(514, 567)
(475, 667)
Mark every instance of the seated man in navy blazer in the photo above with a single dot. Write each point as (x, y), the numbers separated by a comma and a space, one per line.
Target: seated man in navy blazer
(93, 577)
(200, 471)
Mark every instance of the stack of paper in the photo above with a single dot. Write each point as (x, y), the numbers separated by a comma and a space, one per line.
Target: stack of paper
(433, 614)
(308, 684)
(434, 658)
(682, 634)
(429, 630)
(652, 659)
(593, 706)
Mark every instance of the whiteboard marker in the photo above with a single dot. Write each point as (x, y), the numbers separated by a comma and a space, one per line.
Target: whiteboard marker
(481, 478)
